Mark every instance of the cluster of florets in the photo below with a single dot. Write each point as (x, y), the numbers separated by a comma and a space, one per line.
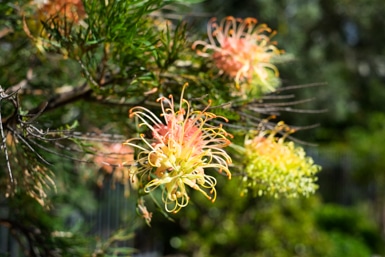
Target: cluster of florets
(276, 167)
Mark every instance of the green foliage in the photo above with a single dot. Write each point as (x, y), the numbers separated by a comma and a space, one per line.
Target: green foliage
(352, 229)
(348, 246)
(41, 231)
(108, 249)
(58, 71)
(368, 141)
(249, 226)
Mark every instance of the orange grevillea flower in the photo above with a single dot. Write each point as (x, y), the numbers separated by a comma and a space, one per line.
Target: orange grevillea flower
(115, 159)
(71, 10)
(51, 18)
(242, 50)
(114, 156)
(179, 151)
(276, 167)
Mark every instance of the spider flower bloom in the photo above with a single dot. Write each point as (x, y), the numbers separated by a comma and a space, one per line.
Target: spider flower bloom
(242, 50)
(179, 152)
(275, 167)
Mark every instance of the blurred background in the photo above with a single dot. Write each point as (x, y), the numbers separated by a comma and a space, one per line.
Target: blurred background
(337, 46)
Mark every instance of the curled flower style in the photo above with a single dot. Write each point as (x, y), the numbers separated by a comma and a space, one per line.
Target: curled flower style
(242, 50)
(179, 152)
(275, 167)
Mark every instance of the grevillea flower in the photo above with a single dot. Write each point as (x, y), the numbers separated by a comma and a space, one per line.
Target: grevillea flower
(114, 156)
(179, 151)
(276, 167)
(242, 50)
(51, 18)
(115, 159)
(71, 10)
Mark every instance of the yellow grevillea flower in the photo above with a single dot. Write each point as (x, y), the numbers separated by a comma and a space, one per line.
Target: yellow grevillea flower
(242, 50)
(179, 152)
(276, 167)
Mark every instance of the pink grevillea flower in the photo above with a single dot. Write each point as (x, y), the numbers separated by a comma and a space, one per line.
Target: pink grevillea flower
(179, 151)
(242, 50)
